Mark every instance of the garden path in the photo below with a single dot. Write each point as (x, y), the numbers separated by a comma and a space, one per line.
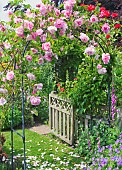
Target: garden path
(40, 129)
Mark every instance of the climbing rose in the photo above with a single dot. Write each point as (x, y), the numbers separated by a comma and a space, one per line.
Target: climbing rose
(108, 36)
(10, 75)
(39, 32)
(52, 29)
(117, 26)
(91, 8)
(28, 57)
(20, 31)
(106, 58)
(2, 101)
(90, 50)
(31, 76)
(102, 70)
(99, 66)
(84, 38)
(106, 28)
(114, 15)
(93, 19)
(35, 100)
(46, 46)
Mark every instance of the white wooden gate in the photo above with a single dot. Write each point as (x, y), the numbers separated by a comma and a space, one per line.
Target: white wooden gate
(61, 118)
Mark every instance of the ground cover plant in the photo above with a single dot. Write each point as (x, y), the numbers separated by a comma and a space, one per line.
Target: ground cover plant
(43, 151)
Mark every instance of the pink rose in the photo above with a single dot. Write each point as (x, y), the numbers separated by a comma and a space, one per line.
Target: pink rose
(102, 71)
(35, 100)
(7, 45)
(28, 24)
(106, 58)
(43, 38)
(4, 91)
(90, 50)
(43, 9)
(4, 79)
(48, 56)
(93, 19)
(50, 19)
(52, 29)
(99, 66)
(20, 31)
(28, 57)
(84, 38)
(31, 76)
(78, 22)
(10, 75)
(106, 28)
(17, 20)
(40, 61)
(34, 50)
(66, 13)
(39, 32)
(57, 11)
(59, 23)
(39, 86)
(2, 101)
(46, 46)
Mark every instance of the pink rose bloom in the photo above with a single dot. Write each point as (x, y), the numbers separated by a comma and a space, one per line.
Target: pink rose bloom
(7, 45)
(70, 36)
(10, 13)
(2, 28)
(90, 50)
(10, 75)
(31, 76)
(17, 20)
(68, 5)
(57, 11)
(4, 79)
(43, 9)
(48, 56)
(106, 28)
(84, 38)
(66, 13)
(93, 19)
(29, 37)
(102, 71)
(28, 57)
(59, 23)
(42, 23)
(34, 35)
(99, 66)
(50, 19)
(29, 14)
(39, 86)
(35, 101)
(43, 38)
(28, 24)
(2, 101)
(39, 32)
(20, 31)
(34, 50)
(40, 61)
(46, 46)
(4, 91)
(52, 29)
(76, 13)
(78, 22)
(106, 58)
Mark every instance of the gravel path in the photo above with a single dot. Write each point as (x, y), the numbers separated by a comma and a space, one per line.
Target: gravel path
(41, 129)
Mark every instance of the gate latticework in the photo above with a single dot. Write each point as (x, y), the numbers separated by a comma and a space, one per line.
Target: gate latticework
(61, 118)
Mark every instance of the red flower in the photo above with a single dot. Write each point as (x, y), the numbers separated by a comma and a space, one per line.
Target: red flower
(91, 7)
(58, 85)
(61, 89)
(102, 9)
(108, 36)
(114, 15)
(105, 13)
(116, 26)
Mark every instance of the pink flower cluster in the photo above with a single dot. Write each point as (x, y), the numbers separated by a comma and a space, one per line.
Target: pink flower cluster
(84, 38)
(106, 58)
(90, 50)
(101, 70)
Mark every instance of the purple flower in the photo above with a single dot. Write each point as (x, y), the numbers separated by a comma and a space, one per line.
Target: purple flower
(117, 150)
(121, 147)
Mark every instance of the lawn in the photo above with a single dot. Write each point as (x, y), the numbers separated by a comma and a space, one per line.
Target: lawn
(43, 152)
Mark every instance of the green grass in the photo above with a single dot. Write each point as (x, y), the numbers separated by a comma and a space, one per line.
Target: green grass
(48, 151)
